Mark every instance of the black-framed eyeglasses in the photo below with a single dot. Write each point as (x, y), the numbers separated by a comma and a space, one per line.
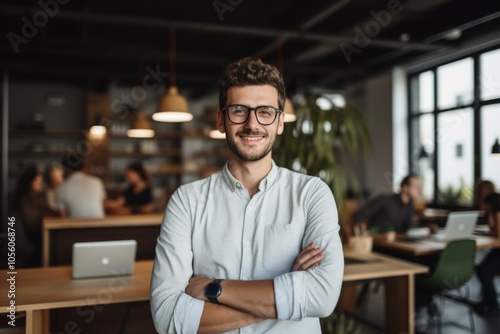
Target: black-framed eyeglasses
(238, 113)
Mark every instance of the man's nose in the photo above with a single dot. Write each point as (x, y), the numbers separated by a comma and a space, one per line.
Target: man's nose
(252, 122)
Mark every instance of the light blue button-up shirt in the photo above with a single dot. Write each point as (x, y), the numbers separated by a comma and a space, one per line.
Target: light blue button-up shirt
(212, 227)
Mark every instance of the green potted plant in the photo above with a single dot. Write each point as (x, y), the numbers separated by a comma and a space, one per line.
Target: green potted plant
(339, 323)
(321, 142)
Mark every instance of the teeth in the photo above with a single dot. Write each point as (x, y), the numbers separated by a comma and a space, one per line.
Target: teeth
(252, 138)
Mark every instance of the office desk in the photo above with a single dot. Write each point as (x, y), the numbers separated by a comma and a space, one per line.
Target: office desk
(430, 247)
(48, 288)
(59, 234)
(40, 289)
(399, 278)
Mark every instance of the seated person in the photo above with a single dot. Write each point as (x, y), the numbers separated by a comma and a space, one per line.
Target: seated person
(81, 195)
(490, 266)
(54, 177)
(138, 197)
(30, 207)
(391, 212)
(483, 188)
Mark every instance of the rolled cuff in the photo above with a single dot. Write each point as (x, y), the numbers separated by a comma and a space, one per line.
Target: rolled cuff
(289, 295)
(187, 314)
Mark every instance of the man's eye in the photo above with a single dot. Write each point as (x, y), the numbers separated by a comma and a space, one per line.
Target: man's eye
(239, 111)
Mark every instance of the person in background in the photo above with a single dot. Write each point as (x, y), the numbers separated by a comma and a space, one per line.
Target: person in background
(490, 265)
(54, 177)
(80, 195)
(390, 212)
(483, 188)
(254, 246)
(138, 197)
(29, 207)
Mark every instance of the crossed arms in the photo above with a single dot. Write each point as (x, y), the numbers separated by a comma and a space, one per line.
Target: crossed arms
(244, 302)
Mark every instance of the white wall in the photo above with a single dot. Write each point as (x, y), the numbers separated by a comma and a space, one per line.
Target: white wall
(374, 97)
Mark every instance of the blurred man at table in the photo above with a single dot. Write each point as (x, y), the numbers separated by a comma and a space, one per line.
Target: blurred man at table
(390, 212)
(81, 195)
(241, 248)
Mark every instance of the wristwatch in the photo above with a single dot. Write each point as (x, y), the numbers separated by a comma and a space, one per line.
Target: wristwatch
(213, 290)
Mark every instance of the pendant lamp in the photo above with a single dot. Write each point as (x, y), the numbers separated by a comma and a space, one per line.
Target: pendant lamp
(140, 127)
(97, 130)
(173, 107)
(216, 134)
(289, 110)
(495, 149)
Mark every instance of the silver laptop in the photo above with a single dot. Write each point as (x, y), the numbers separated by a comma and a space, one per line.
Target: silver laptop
(459, 225)
(103, 258)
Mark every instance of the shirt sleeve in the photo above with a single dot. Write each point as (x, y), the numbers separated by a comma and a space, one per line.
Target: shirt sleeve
(172, 309)
(315, 292)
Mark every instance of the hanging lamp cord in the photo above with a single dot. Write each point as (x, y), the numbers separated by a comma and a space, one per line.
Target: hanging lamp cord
(172, 57)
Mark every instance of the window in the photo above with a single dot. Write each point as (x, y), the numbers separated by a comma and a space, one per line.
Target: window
(454, 122)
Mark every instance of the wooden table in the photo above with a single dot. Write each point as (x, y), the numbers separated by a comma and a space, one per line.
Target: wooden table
(145, 227)
(40, 289)
(48, 288)
(399, 278)
(431, 247)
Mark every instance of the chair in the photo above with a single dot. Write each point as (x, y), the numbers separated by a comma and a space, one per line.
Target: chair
(454, 269)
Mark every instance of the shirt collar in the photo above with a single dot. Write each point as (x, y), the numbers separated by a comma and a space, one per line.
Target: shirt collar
(234, 184)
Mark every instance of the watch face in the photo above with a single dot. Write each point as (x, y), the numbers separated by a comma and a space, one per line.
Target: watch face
(213, 290)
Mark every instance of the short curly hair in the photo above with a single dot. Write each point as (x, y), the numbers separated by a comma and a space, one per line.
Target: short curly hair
(249, 71)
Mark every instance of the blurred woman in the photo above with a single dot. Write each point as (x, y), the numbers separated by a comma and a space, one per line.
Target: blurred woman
(138, 197)
(54, 177)
(30, 207)
(490, 266)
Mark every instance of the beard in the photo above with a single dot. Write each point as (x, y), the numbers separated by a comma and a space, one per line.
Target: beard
(250, 155)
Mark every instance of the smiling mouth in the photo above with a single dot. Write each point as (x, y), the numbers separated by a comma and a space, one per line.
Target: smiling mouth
(252, 138)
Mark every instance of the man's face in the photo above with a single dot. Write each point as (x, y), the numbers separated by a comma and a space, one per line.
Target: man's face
(414, 189)
(251, 141)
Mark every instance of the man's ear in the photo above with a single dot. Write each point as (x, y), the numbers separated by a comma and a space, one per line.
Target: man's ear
(281, 123)
(220, 121)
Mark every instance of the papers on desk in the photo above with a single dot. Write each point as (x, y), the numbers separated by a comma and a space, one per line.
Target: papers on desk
(482, 229)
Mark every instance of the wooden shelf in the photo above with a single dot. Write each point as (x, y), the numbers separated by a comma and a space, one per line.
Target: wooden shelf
(161, 154)
(46, 134)
(47, 154)
(174, 134)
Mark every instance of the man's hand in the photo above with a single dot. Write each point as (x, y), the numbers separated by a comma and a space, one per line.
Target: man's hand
(197, 286)
(310, 257)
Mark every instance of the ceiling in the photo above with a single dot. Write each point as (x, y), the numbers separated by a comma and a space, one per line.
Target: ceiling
(95, 42)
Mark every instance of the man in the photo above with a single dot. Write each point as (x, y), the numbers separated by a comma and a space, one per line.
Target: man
(253, 247)
(392, 212)
(81, 195)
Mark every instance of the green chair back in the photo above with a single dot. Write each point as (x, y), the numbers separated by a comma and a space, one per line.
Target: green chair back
(455, 266)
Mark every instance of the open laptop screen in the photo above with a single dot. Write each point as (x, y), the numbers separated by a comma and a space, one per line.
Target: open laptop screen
(103, 258)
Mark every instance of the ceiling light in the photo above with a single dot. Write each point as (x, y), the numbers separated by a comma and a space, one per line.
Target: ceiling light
(97, 130)
(404, 37)
(173, 107)
(453, 34)
(495, 149)
(141, 127)
(216, 134)
(289, 111)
